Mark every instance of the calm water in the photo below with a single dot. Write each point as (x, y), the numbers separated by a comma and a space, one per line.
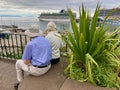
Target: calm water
(25, 22)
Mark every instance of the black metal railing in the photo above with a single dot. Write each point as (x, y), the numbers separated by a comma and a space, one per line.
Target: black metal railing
(12, 45)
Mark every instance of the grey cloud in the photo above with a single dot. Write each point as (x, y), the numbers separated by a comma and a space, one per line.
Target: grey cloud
(56, 4)
(44, 4)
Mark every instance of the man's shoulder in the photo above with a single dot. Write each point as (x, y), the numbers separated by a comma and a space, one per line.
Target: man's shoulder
(29, 43)
(43, 39)
(53, 34)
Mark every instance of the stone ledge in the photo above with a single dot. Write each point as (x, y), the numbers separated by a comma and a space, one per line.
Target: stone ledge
(75, 85)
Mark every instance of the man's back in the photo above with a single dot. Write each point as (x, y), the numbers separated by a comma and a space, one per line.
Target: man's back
(39, 51)
(56, 42)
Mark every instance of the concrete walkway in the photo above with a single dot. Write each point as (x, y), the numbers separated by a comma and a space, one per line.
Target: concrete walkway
(53, 80)
(7, 75)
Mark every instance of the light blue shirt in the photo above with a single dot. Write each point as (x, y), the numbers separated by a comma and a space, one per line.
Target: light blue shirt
(38, 51)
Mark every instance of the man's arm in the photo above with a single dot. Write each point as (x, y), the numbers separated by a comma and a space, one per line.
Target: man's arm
(27, 54)
(27, 62)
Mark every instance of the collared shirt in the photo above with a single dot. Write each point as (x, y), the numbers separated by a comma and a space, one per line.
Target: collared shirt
(55, 39)
(38, 51)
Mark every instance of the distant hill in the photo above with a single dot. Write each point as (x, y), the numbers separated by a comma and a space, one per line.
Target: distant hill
(105, 12)
(17, 15)
(10, 15)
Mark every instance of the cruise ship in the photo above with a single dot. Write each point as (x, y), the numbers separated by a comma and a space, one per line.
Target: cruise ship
(62, 16)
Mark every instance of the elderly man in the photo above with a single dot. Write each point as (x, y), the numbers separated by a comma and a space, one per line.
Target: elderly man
(36, 57)
(55, 40)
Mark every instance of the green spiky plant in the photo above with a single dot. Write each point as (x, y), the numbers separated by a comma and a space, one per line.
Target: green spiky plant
(94, 51)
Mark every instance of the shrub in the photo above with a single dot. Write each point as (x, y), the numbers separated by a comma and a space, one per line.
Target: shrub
(94, 51)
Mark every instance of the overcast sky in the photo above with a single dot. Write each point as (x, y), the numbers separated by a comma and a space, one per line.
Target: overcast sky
(35, 7)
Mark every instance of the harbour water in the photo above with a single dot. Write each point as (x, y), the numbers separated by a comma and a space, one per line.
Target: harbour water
(21, 22)
(25, 22)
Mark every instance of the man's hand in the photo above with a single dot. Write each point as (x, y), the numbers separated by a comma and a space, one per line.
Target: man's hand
(27, 62)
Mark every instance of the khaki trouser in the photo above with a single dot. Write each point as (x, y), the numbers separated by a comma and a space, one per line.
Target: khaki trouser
(21, 68)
